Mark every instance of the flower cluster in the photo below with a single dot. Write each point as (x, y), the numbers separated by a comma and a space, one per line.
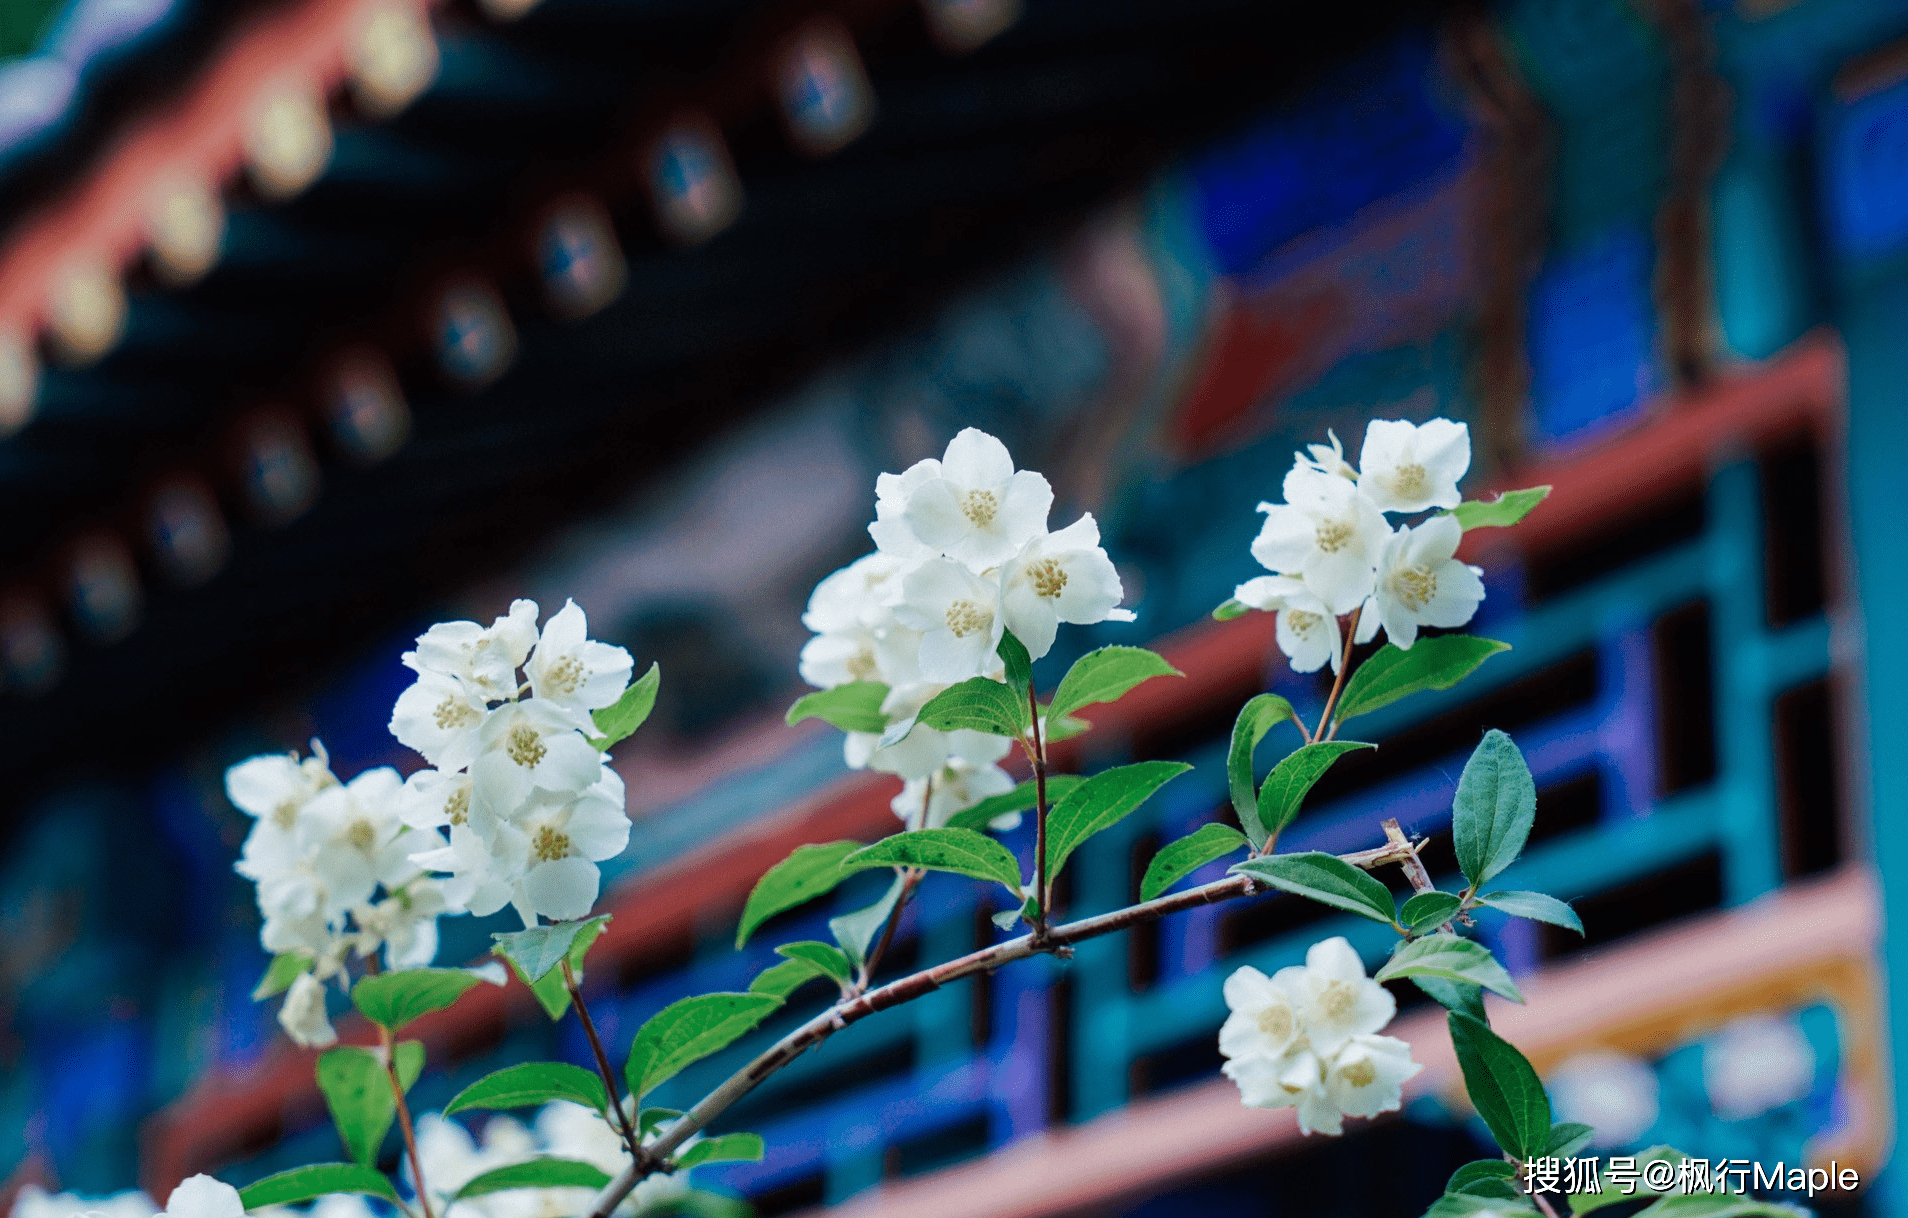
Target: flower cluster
(962, 554)
(1305, 1038)
(451, 1158)
(196, 1197)
(321, 852)
(518, 804)
(1333, 552)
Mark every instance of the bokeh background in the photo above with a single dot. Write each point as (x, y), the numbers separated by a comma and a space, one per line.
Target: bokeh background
(321, 320)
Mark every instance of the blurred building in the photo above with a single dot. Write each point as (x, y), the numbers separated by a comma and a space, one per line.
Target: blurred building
(321, 320)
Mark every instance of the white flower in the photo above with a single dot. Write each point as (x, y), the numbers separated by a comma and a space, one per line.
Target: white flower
(478, 881)
(1306, 630)
(484, 658)
(1366, 1077)
(1420, 583)
(1406, 468)
(1059, 577)
(1291, 1080)
(404, 924)
(1756, 1064)
(439, 716)
(1613, 1093)
(434, 799)
(557, 840)
(957, 786)
(1336, 1001)
(1325, 532)
(978, 510)
(859, 594)
(34, 1202)
(1265, 1019)
(958, 615)
(525, 746)
(572, 671)
(203, 1197)
(303, 1013)
(893, 536)
(1326, 458)
(275, 787)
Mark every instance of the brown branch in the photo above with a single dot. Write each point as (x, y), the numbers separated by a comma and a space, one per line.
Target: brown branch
(1038, 755)
(1338, 681)
(1404, 852)
(625, 1126)
(404, 1120)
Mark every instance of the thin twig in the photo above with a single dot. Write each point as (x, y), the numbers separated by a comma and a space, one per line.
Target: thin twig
(1338, 682)
(1038, 755)
(910, 878)
(404, 1121)
(624, 1124)
(1544, 1205)
(1405, 852)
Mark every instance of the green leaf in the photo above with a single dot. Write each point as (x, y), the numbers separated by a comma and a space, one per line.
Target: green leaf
(1230, 609)
(1324, 878)
(279, 975)
(801, 877)
(1481, 1169)
(1583, 1203)
(619, 720)
(785, 978)
(1499, 513)
(1100, 801)
(358, 1092)
(1256, 718)
(1006, 918)
(1536, 906)
(1503, 1087)
(729, 1148)
(1452, 958)
(854, 707)
(530, 1083)
(1065, 727)
(689, 1030)
(317, 1180)
(1459, 996)
(1019, 665)
(1489, 1186)
(1495, 806)
(828, 959)
(856, 931)
(1567, 1138)
(537, 1173)
(1292, 779)
(1698, 1205)
(1428, 909)
(395, 999)
(1390, 674)
(961, 851)
(977, 704)
(1105, 675)
(552, 994)
(1019, 799)
(1470, 1205)
(650, 1119)
(538, 951)
(700, 1203)
(1187, 855)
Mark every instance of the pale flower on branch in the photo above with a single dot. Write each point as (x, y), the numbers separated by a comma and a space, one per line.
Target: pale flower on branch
(439, 716)
(1059, 577)
(957, 786)
(1307, 632)
(435, 799)
(475, 879)
(1336, 1000)
(483, 658)
(1326, 458)
(1420, 584)
(528, 746)
(1366, 1077)
(574, 672)
(404, 924)
(958, 615)
(1407, 468)
(893, 536)
(303, 1014)
(1326, 533)
(551, 848)
(977, 510)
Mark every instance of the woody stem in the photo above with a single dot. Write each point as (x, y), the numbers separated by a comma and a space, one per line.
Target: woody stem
(404, 1120)
(624, 1125)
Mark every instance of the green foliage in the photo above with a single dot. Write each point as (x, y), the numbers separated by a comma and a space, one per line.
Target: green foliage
(1503, 1086)
(1293, 778)
(1256, 718)
(1459, 996)
(975, 705)
(854, 707)
(783, 979)
(530, 1083)
(1698, 1205)
(689, 1030)
(1006, 918)
(1567, 1138)
(1020, 799)
(395, 999)
(537, 1173)
(1499, 513)
(699, 1203)
(1018, 664)
(1583, 1203)
(1470, 1205)
(619, 720)
(1452, 958)
(551, 991)
(279, 975)
(729, 1148)
(316, 1180)
(1100, 801)
(1230, 609)
(1187, 855)
(829, 960)
(961, 851)
(1105, 675)
(1428, 909)
(1536, 906)
(1324, 878)
(537, 952)
(1390, 674)
(1496, 804)
(358, 1092)
(804, 875)
(856, 931)
(1479, 1170)
(651, 1119)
